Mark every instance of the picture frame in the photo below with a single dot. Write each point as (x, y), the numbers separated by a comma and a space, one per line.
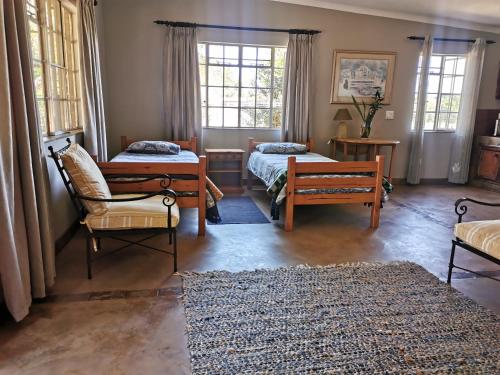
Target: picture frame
(362, 73)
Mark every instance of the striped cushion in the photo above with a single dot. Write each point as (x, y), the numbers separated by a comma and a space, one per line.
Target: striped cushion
(483, 235)
(86, 178)
(145, 213)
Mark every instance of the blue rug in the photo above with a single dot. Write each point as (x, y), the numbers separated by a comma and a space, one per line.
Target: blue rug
(239, 210)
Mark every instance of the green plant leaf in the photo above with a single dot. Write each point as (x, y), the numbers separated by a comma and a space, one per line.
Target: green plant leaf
(358, 108)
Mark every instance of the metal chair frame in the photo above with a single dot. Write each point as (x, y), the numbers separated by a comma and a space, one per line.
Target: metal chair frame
(94, 236)
(461, 210)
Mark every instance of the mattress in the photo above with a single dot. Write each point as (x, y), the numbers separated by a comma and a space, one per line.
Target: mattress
(272, 170)
(213, 194)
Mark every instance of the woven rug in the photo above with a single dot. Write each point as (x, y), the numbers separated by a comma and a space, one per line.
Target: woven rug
(360, 318)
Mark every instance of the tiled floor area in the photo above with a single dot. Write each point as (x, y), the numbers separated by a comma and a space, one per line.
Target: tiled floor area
(129, 318)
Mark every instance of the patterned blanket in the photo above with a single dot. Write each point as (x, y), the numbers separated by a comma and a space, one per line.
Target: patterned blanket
(272, 170)
(213, 193)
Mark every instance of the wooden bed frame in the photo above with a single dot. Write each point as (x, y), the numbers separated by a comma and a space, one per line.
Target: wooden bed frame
(352, 167)
(178, 185)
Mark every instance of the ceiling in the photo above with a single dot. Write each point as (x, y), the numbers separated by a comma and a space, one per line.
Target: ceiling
(481, 15)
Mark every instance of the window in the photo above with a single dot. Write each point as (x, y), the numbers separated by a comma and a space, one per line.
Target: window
(241, 85)
(444, 92)
(52, 25)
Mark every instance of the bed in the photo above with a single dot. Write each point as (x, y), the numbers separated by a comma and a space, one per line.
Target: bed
(188, 172)
(310, 179)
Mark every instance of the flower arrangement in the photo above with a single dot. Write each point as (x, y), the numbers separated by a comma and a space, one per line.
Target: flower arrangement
(368, 112)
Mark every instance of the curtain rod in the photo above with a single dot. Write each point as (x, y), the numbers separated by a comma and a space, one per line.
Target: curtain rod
(413, 37)
(224, 27)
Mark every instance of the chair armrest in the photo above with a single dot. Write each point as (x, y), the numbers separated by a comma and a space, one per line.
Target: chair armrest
(168, 193)
(461, 207)
(165, 181)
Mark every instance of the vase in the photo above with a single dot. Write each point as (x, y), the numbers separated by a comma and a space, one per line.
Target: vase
(365, 130)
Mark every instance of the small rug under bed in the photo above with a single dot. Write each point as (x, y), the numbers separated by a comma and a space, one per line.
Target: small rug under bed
(239, 210)
(360, 318)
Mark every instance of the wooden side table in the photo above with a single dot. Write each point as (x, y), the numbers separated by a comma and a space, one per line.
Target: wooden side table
(225, 168)
(374, 145)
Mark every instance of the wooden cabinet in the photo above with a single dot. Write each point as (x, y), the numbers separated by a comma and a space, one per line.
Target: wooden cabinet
(489, 163)
(225, 168)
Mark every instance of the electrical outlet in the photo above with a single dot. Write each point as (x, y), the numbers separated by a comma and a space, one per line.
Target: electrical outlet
(389, 115)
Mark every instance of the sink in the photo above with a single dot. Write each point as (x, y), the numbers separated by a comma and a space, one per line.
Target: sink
(489, 141)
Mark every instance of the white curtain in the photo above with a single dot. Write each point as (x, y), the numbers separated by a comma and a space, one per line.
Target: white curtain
(27, 260)
(463, 137)
(297, 87)
(181, 84)
(417, 141)
(93, 101)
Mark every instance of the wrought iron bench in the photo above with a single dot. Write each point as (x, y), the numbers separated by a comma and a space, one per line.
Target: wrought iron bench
(125, 216)
(479, 237)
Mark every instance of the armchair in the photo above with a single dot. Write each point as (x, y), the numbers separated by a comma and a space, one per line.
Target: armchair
(112, 216)
(479, 237)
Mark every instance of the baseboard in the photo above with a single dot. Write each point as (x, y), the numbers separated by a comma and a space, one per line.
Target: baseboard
(66, 236)
(485, 184)
(423, 181)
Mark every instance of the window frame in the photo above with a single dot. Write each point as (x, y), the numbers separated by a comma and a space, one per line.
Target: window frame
(205, 86)
(62, 80)
(439, 94)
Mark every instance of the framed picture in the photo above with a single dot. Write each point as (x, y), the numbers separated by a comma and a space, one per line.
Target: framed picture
(361, 74)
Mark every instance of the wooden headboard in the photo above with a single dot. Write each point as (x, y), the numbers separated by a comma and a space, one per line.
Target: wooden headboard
(252, 144)
(185, 145)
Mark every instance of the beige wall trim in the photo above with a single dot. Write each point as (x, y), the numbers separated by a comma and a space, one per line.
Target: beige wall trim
(485, 184)
(423, 181)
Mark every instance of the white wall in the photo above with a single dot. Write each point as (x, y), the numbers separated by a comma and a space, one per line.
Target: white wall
(133, 47)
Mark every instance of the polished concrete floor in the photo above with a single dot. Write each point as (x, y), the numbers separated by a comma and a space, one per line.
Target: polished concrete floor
(128, 319)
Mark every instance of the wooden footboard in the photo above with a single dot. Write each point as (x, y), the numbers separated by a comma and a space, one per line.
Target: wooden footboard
(179, 184)
(295, 183)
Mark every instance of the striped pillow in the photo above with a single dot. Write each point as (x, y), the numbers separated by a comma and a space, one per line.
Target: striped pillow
(282, 148)
(154, 147)
(86, 178)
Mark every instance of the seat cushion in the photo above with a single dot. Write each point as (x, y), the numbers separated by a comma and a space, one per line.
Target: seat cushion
(144, 213)
(86, 178)
(483, 235)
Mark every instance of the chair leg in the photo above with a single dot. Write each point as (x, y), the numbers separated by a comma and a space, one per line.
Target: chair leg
(89, 257)
(450, 266)
(173, 235)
